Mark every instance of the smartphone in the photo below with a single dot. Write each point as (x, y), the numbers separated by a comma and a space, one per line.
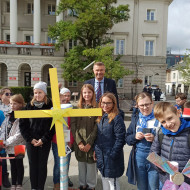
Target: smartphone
(146, 130)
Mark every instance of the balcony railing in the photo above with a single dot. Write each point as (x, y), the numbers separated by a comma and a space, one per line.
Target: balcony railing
(34, 50)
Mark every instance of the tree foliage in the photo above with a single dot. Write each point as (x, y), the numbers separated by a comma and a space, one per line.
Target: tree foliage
(114, 69)
(184, 69)
(88, 24)
(79, 57)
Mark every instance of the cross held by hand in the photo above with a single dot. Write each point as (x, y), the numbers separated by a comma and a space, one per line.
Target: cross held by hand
(56, 116)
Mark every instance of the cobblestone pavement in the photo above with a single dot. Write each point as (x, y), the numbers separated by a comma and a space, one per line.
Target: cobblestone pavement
(73, 172)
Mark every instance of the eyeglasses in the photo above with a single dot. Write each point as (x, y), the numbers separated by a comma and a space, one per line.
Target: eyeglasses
(106, 103)
(8, 94)
(145, 105)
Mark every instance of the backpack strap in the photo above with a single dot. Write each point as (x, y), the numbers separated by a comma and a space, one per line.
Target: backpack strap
(161, 136)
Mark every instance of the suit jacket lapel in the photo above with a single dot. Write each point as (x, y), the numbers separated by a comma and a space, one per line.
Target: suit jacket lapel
(93, 83)
(105, 84)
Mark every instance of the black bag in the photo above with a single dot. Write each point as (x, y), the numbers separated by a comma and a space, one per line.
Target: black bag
(131, 168)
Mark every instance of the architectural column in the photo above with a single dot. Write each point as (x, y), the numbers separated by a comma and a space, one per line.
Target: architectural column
(13, 21)
(60, 16)
(37, 22)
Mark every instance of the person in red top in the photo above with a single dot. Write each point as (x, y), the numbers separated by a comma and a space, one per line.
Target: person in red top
(65, 97)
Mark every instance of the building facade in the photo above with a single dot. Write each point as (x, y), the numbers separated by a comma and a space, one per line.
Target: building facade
(173, 59)
(141, 40)
(174, 80)
(27, 21)
(144, 37)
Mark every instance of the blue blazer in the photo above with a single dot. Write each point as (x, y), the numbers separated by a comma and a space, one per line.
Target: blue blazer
(109, 86)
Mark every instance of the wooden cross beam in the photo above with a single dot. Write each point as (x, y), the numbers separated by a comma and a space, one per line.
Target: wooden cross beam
(57, 113)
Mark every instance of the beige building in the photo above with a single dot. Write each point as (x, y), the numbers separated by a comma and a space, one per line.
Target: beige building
(142, 41)
(24, 65)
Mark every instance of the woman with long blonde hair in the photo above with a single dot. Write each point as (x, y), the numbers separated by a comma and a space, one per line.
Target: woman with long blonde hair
(109, 143)
(84, 131)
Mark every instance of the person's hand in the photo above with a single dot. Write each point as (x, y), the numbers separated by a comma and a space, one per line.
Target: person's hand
(87, 148)
(81, 146)
(149, 137)
(94, 156)
(139, 136)
(38, 143)
(34, 141)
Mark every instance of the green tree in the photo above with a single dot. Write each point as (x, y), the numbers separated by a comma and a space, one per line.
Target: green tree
(79, 57)
(114, 69)
(88, 24)
(184, 69)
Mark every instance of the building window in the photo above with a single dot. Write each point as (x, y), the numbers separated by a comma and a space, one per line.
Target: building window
(8, 7)
(174, 75)
(120, 47)
(120, 83)
(50, 40)
(72, 43)
(72, 12)
(27, 79)
(149, 48)
(147, 80)
(72, 83)
(30, 8)
(150, 14)
(8, 37)
(51, 9)
(29, 39)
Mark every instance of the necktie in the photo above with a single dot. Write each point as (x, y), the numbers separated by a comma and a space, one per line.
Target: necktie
(98, 92)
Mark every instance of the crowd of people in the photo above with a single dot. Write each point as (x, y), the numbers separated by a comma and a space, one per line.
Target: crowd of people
(97, 141)
(157, 92)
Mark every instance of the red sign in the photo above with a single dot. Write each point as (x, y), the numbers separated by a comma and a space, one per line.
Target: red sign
(36, 79)
(12, 78)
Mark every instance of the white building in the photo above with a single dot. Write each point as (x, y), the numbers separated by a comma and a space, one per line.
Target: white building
(174, 81)
(144, 37)
(142, 41)
(27, 20)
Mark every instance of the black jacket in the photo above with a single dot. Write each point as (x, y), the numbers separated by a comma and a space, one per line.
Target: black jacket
(109, 86)
(37, 128)
(157, 92)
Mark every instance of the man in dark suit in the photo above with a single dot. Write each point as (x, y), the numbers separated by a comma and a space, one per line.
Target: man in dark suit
(157, 93)
(107, 85)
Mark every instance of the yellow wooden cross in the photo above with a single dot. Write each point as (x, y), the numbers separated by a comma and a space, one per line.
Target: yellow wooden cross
(57, 113)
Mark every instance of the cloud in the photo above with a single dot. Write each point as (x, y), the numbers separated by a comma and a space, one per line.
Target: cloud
(179, 26)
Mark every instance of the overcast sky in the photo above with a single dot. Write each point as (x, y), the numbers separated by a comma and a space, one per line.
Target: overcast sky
(179, 26)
